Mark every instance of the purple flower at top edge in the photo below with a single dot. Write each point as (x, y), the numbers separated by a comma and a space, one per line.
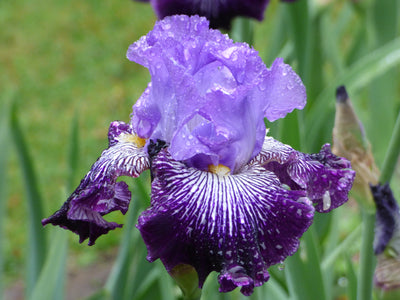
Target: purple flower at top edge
(224, 197)
(219, 12)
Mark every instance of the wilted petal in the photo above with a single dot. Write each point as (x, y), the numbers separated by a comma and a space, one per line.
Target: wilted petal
(387, 226)
(237, 225)
(387, 273)
(326, 178)
(98, 193)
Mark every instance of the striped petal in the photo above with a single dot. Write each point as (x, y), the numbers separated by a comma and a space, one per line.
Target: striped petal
(98, 193)
(326, 178)
(237, 225)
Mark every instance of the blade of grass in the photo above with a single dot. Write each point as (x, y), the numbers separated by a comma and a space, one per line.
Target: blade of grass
(351, 279)
(243, 30)
(73, 154)
(304, 276)
(393, 151)
(330, 259)
(314, 275)
(271, 290)
(356, 77)
(295, 272)
(367, 257)
(36, 236)
(117, 284)
(53, 272)
(4, 142)
(385, 24)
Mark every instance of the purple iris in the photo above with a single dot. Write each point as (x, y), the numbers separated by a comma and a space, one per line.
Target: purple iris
(218, 12)
(224, 197)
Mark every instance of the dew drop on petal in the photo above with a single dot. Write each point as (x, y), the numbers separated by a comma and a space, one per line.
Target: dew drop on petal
(326, 200)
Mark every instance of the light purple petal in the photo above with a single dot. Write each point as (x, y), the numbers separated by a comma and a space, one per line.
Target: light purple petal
(285, 91)
(237, 225)
(209, 96)
(98, 193)
(326, 178)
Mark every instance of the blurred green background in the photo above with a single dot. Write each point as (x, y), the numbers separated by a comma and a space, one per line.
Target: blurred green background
(65, 59)
(59, 59)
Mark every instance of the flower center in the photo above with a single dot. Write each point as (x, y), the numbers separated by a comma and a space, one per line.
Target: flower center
(219, 170)
(132, 138)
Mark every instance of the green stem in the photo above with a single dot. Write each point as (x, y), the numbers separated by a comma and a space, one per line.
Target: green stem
(328, 262)
(392, 154)
(367, 257)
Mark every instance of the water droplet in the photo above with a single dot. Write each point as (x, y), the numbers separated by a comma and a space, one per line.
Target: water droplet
(166, 26)
(281, 266)
(326, 201)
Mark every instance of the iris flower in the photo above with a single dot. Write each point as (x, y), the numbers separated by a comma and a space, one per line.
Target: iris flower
(225, 197)
(219, 12)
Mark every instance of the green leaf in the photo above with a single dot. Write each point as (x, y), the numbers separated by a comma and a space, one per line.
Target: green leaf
(351, 279)
(52, 276)
(36, 236)
(4, 153)
(356, 77)
(304, 276)
(73, 154)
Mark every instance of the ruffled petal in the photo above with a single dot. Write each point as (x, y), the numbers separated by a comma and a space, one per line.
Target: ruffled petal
(98, 193)
(326, 178)
(237, 225)
(209, 96)
(285, 89)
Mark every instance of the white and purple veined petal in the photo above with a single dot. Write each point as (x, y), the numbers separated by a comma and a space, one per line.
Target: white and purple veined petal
(99, 193)
(237, 225)
(326, 178)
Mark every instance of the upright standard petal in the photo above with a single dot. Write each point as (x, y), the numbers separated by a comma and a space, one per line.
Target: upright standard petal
(326, 178)
(202, 83)
(98, 193)
(237, 225)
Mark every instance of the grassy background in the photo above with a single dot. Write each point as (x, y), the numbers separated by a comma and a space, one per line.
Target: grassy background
(59, 59)
(62, 59)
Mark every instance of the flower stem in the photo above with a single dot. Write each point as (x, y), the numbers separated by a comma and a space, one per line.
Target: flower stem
(392, 154)
(367, 257)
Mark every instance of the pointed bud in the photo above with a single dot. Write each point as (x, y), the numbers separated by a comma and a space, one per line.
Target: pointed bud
(349, 141)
